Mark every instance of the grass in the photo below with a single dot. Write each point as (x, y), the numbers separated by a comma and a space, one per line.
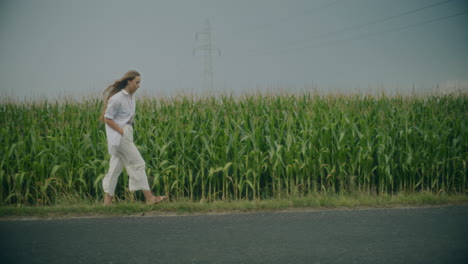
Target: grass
(255, 147)
(90, 208)
(239, 155)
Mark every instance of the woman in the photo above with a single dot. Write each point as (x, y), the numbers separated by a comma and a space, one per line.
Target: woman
(118, 114)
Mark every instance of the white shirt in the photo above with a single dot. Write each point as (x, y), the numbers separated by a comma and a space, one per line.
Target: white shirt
(121, 109)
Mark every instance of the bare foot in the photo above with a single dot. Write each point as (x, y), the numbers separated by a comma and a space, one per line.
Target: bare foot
(155, 199)
(107, 199)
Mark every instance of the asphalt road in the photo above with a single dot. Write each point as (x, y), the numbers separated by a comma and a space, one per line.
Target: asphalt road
(418, 235)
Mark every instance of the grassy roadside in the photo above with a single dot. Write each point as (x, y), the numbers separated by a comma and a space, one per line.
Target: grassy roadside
(71, 209)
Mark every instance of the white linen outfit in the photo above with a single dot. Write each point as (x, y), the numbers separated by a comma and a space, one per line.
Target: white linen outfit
(121, 109)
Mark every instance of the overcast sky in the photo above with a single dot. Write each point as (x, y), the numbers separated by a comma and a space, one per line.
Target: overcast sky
(53, 48)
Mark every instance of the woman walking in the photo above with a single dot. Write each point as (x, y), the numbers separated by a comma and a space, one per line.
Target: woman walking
(118, 115)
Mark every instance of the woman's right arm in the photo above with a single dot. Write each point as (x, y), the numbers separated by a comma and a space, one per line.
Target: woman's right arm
(114, 125)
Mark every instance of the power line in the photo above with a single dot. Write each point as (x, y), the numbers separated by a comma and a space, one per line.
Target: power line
(359, 26)
(378, 21)
(418, 24)
(383, 32)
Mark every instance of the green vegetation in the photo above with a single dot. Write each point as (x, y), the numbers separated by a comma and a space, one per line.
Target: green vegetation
(239, 149)
(88, 208)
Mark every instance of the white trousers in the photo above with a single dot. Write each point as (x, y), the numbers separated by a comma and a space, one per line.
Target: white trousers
(127, 155)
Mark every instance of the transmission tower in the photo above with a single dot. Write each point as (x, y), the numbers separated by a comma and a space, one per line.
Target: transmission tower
(207, 49)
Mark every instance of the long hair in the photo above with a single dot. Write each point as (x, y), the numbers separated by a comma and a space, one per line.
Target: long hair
(116, 87)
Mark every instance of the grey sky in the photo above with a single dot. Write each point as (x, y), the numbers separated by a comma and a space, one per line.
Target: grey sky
(53, 48)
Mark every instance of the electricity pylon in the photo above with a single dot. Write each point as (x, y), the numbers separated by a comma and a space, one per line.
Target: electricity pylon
(208, 49)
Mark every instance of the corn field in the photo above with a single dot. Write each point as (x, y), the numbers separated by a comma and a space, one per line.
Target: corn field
(253, 147)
